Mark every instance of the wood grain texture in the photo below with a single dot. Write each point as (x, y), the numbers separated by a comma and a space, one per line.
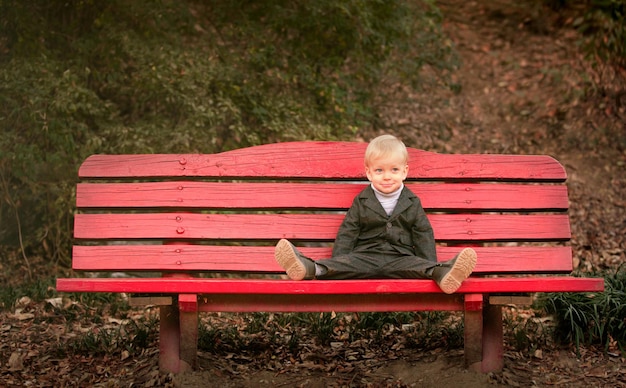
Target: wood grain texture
(324, 227)
(235, 195)
(245, 259)
(320, 160)
(329, 287)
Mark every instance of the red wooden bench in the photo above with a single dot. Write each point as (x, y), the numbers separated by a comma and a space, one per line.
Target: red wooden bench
(187, 215)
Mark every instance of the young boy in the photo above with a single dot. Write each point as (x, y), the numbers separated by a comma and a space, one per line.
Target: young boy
(385, 233)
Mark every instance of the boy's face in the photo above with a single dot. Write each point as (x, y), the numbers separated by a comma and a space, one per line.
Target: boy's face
(387, 173)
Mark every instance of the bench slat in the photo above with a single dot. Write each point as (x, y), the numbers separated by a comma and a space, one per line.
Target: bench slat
(320, 160)
(448, 196)
(447, 227)
(326, 287)
(544, 259)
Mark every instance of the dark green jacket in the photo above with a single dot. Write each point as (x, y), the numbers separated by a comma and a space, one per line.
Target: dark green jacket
(367, 229)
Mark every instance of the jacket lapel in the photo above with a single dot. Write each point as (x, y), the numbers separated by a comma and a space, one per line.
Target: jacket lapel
(404, 202)
(371, 202)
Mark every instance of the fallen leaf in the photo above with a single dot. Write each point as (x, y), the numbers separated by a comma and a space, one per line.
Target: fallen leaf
(22, 316)
(55, 302)
(16, 361)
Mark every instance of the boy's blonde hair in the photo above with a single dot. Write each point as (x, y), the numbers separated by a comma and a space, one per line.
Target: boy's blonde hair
(385, 146)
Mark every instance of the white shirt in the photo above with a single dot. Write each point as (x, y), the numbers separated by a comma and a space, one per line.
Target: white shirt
(388, 201)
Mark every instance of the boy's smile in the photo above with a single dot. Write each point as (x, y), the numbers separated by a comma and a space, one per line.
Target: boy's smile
(387, 173)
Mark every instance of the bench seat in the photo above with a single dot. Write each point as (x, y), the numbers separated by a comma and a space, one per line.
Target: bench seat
(296, 289)
(199, 232)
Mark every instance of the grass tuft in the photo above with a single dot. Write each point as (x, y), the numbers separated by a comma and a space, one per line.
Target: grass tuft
(591, 318)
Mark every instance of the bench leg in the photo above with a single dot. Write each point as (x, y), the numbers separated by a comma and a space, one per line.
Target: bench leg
(493, 339)
(169, 339)
(484, 346)
(188, 306)
(473, 331)
(178, 335)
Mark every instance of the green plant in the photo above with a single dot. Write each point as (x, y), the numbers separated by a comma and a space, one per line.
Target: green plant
(604, 25)
(379, 323)
(436, 329)
(90, 306)
(37, 290)
(377, 320)
(453, 336)
(131, 337)
(222, 339)
(47, 114)
(320, 325)
(596, 318)
(526, 333)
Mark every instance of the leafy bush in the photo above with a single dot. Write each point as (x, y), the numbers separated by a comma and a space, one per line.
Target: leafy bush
(598, 318)
(605, 24)
(84, 77)
(49, 115)
(36, 291)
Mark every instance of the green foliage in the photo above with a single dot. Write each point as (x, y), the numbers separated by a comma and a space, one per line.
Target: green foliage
(379, 320)
(525, 333)
(436, 329)
(597, 318)
(321, 326)
(84, 76)
(231, 339)
(130, 337)
(93, 307)
(332, 55)
(37, 290)
(48, 114)
(258, 332)
(603, 24)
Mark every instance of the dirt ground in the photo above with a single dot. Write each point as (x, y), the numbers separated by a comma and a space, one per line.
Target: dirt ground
(523, 89)
(437, 371)
(562, 369)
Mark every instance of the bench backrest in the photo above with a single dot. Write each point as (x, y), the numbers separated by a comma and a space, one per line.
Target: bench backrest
(224, 212)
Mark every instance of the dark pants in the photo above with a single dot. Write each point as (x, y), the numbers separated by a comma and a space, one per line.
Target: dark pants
(376, 265)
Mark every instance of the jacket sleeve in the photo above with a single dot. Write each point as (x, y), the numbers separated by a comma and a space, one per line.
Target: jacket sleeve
(423, 236)
(348, 233)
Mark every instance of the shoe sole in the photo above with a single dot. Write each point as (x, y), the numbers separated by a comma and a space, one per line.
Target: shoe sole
(461, 270)
(288, 259)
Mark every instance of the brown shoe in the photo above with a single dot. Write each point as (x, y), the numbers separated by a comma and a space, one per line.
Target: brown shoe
(450, 274)
(297, 266)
